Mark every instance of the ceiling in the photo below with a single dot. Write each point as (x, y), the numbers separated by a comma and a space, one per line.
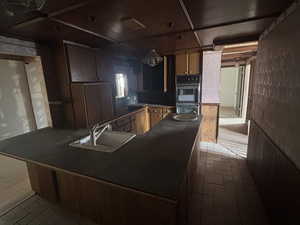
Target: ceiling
(168, 25)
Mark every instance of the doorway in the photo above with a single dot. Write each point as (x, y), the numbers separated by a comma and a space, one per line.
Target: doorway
(24, 107)
(235, 85)
(232, 91)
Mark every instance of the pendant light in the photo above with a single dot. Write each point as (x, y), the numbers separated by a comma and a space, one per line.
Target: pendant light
(152, 58)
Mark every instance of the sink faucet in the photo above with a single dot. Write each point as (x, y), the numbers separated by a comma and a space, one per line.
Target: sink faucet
(96, 131)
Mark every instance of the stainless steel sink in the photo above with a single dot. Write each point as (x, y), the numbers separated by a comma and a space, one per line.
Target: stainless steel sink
(109, 141)
(185, 117)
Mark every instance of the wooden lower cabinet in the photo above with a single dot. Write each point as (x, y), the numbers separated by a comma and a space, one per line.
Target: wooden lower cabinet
(110, 204)
(157, 113)
(42, 180)
(135, 122)
(142, 120)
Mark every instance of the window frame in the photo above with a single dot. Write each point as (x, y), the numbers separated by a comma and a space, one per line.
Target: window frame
(125, 88)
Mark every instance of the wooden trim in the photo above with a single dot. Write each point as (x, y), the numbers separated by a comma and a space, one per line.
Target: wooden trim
(82, 29)
(51, 14)
(165, 74)
(255, 18)
(187, 63)
(188, 17)
(212, 104)
(244, 39)
(218, 121)
(69, 82)
(89, 83)
(15, 57)
(76, 44)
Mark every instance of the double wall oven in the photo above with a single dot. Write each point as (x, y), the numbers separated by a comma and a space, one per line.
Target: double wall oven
(188, 94)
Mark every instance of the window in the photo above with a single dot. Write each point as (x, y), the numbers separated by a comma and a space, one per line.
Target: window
(121, 85)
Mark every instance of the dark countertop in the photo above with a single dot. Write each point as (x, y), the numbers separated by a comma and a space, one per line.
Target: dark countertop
(154, 162)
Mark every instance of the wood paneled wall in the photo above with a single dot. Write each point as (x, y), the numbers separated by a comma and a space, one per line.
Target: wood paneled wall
(210, 122)
(58, 79)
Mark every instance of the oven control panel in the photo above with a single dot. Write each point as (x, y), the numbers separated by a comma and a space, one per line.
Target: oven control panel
(188, 79)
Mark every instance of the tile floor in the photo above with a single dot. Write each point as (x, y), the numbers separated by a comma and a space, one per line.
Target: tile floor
(227, 112)
(14, 183)
(222, 193)
(234, 138)
(36, 211)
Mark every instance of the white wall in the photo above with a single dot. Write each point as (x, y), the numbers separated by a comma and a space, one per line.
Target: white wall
(228, 88)
(16, 114)
(211, 76)
(24, 103)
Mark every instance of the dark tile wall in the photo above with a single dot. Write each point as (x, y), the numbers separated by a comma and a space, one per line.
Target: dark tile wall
(273, 151)
(276, 105)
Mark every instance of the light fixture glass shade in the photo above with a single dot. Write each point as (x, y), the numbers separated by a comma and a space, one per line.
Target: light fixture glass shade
(19, 7)
(152, 58)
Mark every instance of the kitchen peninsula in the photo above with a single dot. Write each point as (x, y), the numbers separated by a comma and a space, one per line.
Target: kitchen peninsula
(144, 182)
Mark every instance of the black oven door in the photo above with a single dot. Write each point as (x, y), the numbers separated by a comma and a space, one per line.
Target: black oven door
(187, 95)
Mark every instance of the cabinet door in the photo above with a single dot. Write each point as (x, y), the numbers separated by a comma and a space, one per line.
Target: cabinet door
(82, 64)
(106, 101)
(99, 107)
(194, 63)
(166, 111)
(156, 115)
(181, 64)
(141, 122)
(79, 106)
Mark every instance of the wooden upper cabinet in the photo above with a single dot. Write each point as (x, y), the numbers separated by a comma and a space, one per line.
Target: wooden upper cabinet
(194, 63)
(181, 64)
(82, 63)
(92, 103)
(98, 102)
(188, 63)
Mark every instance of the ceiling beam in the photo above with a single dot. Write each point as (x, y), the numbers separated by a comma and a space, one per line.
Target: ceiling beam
(238, 56)
(82, 29)
(273, 15)
(51, 16)
(188, 17)
(229, 41)
(244, 49)
(257, 18)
